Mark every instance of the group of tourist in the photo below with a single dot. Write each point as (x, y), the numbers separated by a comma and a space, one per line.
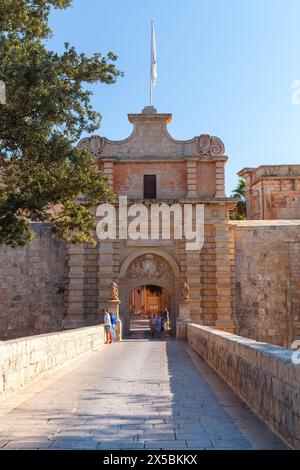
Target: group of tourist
(110, 321)
(160, 324)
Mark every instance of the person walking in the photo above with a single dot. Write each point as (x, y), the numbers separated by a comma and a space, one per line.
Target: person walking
(158, 325)
(107, 326)
(166, 321)
(113, 320)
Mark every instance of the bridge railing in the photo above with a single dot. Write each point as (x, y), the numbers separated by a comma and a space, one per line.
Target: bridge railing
(24, 359)
(265, 376)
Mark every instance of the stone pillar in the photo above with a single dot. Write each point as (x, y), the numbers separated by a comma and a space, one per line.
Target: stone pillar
(113, 307)
(191, 179)
(108, 170)
(106, 273)
(183, 319)
(224, 315)
(220, 178)
(75, 292)
(106, 251)
(184, 310)
(193, 278)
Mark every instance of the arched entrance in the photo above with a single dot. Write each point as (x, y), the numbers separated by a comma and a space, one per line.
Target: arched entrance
(146, 301)
(148, 267)
(149, 300)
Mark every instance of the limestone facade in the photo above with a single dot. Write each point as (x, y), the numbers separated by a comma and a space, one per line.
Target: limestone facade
(264, 268)
(267, 280)
(186, 172)
(246, 276)
(32, 285)
(272, 192)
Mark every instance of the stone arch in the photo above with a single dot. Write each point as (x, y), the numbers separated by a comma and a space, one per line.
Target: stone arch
(128, 281)
(151, 251)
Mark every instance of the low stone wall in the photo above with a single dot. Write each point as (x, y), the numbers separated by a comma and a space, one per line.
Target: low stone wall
(263, 375)
(24, 359)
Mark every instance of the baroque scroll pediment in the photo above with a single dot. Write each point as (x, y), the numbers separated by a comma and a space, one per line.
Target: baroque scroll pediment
(210, 145)
(150, 139)
(149, 266)
(94, 144)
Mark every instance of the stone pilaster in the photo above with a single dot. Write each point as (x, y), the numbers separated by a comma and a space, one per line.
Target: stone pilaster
(224, 316)
(220, 178)
(113, 307)
(193, 278)
(184, 310)
(108, 170)
(183, 319)
(75, 292)
(191, 179)
(106, 273)
(207, 283)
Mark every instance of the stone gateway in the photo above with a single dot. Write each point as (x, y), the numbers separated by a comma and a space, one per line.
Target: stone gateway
(245, 278)
(152, 167)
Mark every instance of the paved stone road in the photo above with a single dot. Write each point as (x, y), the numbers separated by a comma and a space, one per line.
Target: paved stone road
(132, 395)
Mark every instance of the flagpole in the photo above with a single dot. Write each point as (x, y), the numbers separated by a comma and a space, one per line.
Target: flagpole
(151, 51)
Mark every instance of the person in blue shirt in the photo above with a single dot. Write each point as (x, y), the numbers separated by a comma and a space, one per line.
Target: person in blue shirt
(113, 321)
(107, 326)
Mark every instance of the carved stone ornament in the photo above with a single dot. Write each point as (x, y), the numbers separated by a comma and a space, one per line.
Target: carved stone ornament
(114, 291)
(149, 266)
(185, 292)
(208, 145)
(94, 145)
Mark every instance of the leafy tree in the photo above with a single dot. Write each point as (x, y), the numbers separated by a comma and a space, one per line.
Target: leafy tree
(42, 172)
(240, 212)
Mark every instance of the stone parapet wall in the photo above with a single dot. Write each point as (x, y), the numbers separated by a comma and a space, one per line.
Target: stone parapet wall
(25, 359)
(267, 280)
(263, 375)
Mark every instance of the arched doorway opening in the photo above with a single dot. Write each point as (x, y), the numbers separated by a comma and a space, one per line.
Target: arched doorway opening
(149, 300)
(146, 301)
(148, 267)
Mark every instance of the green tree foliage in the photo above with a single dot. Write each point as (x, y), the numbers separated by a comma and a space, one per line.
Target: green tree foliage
(240, 212)
(42, 172)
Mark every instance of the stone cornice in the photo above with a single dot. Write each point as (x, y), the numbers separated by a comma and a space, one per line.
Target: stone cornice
(231, 201)
(165, 117)
(260, 178)
(271, 171)
(149, 159)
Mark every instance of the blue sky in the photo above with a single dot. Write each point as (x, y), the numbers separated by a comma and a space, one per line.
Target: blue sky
(225, 67)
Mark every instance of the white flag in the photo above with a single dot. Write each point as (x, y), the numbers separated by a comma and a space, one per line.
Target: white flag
(153, 57)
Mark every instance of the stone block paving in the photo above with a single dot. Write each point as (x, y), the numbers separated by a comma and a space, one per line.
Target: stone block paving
(137, 394)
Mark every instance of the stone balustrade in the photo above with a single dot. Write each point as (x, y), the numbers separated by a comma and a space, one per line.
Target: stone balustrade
(263, 375)
(23, 360)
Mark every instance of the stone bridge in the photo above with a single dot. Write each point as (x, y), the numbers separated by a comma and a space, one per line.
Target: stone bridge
(216, 390)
